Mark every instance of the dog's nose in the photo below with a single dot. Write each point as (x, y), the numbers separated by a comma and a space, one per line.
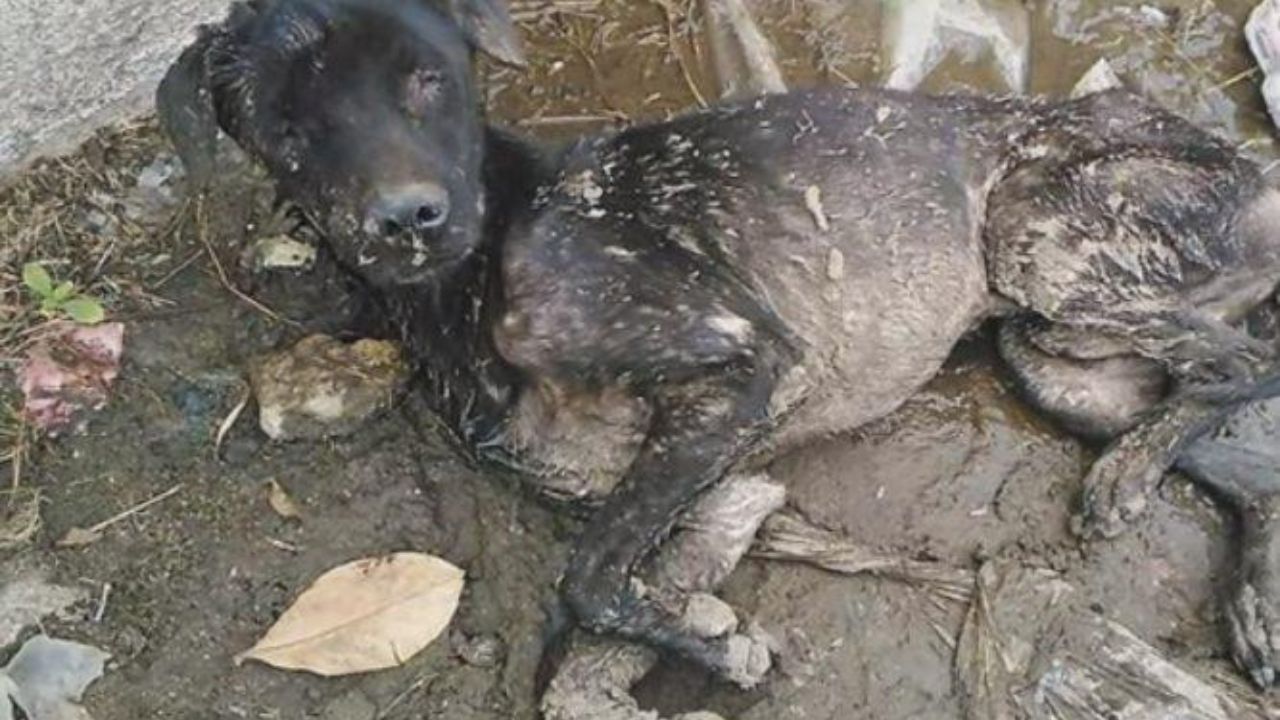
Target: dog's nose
(417, 206)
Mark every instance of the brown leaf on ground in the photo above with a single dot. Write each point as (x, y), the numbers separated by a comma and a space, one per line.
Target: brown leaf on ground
(280, 501)
(366, 615)
(68, 370)
(79, 537)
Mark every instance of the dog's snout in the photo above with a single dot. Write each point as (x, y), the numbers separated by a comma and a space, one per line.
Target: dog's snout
(414, 207)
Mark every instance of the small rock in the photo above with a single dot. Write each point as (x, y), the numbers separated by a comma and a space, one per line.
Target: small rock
(153, 193)
(355, 705)
(744, 60)
(26, 597)
(1099, 78)
(323, 388)
(158, 174)
(482, 651)
(1263, 34)
(835, 265)
(919, 35)
(1154, 17)
(69, 371)
(813, 202)
(282, 252)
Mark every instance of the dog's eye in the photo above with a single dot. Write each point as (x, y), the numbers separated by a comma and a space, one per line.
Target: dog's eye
(422, 90)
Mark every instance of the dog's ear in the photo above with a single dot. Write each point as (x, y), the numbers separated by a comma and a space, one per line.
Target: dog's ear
(184, 104)
(488, 25)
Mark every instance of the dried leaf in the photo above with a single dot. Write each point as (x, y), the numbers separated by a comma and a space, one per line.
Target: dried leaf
(79, 537)
(367, 615)
(280, 501)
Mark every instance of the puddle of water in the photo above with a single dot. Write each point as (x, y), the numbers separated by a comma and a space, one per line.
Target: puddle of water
(607, 61)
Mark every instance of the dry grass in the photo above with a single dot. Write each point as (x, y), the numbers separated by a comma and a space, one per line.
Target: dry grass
(80, 217)
(19, 517)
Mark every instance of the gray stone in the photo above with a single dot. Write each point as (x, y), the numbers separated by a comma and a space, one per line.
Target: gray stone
(26, 596)
(483, 651)
(70, 66)
(1263, 34)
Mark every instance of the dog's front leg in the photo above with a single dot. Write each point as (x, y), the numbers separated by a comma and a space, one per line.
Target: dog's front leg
(700, 426)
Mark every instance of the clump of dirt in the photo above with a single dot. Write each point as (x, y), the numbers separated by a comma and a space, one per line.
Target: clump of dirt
(175, 591)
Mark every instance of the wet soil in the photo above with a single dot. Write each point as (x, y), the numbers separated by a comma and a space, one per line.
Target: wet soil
(963, 472)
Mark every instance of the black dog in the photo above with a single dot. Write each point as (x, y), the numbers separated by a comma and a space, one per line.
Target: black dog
(658, 306)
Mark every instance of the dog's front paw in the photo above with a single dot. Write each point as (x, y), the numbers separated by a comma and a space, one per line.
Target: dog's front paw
(1253, 624)
(1116, 492)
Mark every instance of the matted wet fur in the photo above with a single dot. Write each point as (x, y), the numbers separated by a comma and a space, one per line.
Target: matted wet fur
(680, 296)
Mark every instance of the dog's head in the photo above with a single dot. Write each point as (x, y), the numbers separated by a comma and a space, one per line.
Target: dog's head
(364, 113)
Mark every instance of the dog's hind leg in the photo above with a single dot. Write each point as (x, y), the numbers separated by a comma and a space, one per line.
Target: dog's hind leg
(1093, 398)
(1239, 464)
(1150, 410)
(1153, 248)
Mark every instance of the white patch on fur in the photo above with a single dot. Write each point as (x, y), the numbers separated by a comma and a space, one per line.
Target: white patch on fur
(731, 326)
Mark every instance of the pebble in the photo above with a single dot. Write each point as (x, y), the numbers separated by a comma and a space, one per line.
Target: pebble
(282, 252)
(323, 388)
(482, 651)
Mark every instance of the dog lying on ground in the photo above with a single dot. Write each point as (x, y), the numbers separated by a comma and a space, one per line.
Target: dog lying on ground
(653, 308)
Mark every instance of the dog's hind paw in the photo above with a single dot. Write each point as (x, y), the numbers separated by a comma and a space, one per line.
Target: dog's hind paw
(1253, 625)
(748, 657)
(1116, 492)
(1103, 521)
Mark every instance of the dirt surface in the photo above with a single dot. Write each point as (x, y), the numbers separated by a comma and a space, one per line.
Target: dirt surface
(963, 472)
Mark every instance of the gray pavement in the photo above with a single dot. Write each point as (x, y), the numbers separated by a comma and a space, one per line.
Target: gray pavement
(70, 66)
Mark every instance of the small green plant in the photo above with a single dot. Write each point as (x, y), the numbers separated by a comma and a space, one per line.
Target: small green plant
(61, 299)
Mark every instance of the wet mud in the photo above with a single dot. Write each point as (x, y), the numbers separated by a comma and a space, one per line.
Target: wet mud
(964, 473)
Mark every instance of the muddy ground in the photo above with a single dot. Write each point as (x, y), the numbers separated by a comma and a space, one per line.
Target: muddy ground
(963, 472)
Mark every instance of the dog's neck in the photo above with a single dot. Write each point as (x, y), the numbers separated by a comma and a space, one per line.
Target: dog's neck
(447, 325)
